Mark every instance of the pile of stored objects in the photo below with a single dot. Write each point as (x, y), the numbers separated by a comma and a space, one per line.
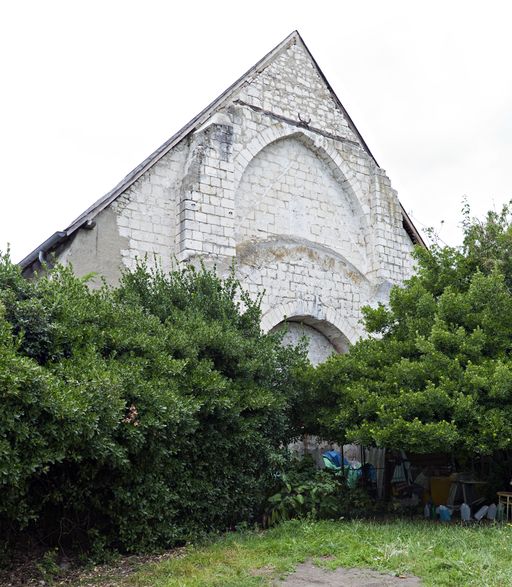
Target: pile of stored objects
(428, 483)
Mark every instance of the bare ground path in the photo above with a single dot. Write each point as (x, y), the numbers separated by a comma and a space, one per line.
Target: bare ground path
(310, 575)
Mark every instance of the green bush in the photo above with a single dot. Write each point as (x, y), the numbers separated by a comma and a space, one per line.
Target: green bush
(142, 415)
(435, 372)
(307, 492)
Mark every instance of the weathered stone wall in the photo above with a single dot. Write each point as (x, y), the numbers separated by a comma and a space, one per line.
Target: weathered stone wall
(277, 181)
(287, 190)
(147, 213)
(98, 250)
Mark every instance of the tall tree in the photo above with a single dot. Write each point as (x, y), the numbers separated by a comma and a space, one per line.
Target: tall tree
(435, 372)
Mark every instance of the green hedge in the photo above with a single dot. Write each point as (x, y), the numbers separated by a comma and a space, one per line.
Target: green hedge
(138, 416)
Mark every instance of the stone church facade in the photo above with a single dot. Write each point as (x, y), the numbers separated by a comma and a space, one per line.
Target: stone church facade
(274, 177)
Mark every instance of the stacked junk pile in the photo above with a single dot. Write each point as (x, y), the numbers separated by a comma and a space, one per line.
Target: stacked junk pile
(430, 483)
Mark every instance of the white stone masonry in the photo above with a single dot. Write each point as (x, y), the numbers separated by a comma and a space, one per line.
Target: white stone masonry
(278, 182)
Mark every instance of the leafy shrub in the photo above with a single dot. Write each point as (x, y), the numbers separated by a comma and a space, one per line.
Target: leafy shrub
(142, 415)
(48, 567)
(307, 492)
(435, 372)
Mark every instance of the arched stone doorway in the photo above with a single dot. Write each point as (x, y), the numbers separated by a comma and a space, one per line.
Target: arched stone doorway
(324, 339)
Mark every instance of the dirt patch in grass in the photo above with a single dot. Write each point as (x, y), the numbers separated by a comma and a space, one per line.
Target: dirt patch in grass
(308, 574)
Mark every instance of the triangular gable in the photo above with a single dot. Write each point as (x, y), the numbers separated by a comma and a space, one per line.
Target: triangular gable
(86, 217)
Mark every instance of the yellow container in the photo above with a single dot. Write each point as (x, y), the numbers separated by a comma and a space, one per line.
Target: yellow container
(440, 489)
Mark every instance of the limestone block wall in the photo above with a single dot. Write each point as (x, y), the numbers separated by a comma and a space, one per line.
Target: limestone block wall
(147, 213)
(288, 190)
(300, 280)
(278, 182)
(206, 212)
(290, 85)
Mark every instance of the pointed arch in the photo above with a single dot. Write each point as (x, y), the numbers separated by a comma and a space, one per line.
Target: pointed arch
(317, 195)
(320, 145)
(341, 331)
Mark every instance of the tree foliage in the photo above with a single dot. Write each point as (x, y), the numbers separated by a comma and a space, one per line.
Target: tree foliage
(141, 415)
(435, 372)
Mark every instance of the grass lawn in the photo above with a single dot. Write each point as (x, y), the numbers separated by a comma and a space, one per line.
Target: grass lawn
(438, 554)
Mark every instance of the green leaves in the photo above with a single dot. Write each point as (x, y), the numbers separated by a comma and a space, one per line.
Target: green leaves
(438, 377)
(146, 414)
(306, 492)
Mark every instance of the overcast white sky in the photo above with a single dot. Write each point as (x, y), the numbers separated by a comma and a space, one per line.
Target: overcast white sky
(89, 89)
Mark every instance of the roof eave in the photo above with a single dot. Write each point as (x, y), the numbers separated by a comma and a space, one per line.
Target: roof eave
(412, 231)
(49, 245)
